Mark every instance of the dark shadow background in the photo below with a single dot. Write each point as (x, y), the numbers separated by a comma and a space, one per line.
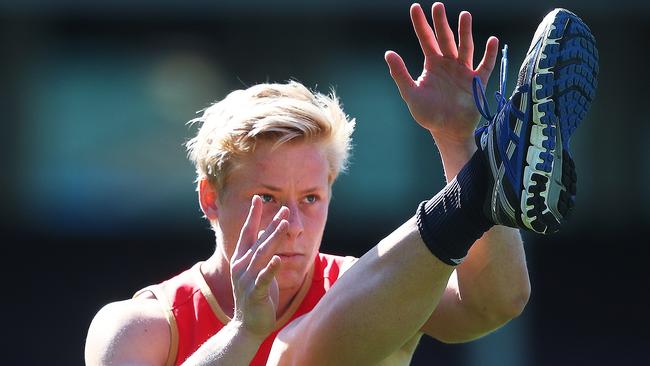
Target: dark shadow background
(98, 200)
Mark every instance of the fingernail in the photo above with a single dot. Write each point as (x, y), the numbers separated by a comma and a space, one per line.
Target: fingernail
(279, 214)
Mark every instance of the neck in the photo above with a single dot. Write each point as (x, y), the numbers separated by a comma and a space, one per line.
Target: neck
(216, 271)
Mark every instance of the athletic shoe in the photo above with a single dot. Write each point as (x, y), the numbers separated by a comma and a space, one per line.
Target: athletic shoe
(526, 143)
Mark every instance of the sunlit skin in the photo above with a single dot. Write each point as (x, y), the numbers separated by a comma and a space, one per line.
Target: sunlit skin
(294, 175)
(377, 311)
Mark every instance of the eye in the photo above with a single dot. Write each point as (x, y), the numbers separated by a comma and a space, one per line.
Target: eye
(312, 198)
(266, 198)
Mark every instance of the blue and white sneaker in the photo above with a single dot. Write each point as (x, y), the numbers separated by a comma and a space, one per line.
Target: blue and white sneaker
(526, 143)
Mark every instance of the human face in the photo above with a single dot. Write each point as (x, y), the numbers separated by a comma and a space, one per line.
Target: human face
(294, 175)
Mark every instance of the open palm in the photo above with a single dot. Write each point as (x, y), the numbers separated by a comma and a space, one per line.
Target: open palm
(441, 98)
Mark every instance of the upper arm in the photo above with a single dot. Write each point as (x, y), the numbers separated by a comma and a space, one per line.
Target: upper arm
(290, 348)
(133, 332)
(485, 292)
(454, 322)
(449, 322)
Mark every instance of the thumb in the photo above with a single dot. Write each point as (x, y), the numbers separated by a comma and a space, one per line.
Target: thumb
(266, 277)
(486, 65)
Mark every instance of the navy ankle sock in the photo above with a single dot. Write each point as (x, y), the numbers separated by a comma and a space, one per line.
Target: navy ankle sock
(453, 219)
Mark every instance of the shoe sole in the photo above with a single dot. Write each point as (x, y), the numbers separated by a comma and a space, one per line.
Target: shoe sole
(563, 86)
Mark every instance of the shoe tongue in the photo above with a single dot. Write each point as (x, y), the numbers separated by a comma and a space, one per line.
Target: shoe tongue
(524, 71)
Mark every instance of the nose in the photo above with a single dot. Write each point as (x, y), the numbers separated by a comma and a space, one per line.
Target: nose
(295, 221)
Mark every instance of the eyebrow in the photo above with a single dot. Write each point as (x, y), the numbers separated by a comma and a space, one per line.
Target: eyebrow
(277, 189)
(270, 187)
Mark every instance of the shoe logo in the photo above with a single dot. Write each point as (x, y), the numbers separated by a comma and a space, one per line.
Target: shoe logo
(457, 261)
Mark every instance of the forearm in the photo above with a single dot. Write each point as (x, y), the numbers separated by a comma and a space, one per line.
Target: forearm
(379, 304)
(232, 345)
(492, 282)
(454, 153)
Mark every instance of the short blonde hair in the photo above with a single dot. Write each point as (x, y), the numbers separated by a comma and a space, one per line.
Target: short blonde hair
(287, 112)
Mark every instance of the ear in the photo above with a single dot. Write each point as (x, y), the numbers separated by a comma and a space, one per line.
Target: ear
(208, 197)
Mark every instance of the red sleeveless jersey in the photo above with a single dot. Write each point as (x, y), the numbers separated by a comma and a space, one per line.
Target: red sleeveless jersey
(194, 314)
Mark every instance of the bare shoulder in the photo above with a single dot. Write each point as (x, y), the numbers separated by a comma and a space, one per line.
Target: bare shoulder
(133, 331)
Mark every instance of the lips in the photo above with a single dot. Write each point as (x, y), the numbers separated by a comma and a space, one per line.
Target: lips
(288, 255)
(290, 259)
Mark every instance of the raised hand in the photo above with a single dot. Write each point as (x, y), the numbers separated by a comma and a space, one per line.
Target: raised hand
(441, 98)
(253, 267)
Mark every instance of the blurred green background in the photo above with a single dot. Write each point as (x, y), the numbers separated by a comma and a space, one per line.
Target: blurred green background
(98, 197)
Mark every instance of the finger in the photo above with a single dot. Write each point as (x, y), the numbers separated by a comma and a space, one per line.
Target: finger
(268, 248)
(465, 39)
(266, 276)
(248, 234)
(486, 65)
(423, 31)
(283, 213)
(243, 262)
(399, 73)
(443, 31)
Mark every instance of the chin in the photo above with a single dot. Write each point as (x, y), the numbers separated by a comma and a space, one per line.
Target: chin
(291, 279)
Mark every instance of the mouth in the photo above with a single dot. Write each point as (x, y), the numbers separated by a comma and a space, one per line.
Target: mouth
(289, 255)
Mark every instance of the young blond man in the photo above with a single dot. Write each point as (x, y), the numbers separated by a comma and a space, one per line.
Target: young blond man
(266, 160)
